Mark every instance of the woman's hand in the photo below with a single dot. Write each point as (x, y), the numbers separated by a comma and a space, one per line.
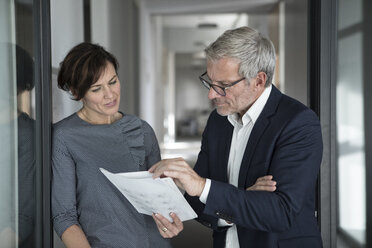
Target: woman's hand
(265, 183)
(166, 228)
(74, 237)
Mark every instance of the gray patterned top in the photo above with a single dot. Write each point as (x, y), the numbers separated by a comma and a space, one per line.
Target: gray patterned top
(82, 195)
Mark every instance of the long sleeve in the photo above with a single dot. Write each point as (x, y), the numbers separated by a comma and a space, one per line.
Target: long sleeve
(64, 211)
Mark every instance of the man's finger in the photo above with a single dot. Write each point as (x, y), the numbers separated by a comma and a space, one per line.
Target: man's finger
(266, 183)
(153, 168)
(177, 164)
(264, 178)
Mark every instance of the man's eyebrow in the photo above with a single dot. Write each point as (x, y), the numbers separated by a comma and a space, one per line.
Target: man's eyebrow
(223, 83)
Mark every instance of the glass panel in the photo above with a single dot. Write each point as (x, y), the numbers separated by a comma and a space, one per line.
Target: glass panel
(350, 124)
(17, 125)
(350, 13)
(8, 129)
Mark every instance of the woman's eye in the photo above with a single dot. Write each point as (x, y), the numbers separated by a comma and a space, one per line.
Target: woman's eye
(112, 82)
(96, 89)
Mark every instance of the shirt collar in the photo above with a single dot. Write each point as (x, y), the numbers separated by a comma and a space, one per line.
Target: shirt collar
(254, 111)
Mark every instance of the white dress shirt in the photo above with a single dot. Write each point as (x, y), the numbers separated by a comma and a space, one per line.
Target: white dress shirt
(242, 130)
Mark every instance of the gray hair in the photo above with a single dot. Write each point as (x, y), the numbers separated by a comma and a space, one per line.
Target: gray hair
(254, 52)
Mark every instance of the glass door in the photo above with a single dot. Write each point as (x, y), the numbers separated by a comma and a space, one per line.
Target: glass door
(24, 176)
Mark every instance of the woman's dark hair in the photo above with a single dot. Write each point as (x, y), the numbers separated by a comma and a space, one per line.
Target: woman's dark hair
(82, 67)
(25, 70)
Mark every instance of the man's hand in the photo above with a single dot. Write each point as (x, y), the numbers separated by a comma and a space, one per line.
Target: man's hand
(166, 228)
(184, 176)
(265, 183)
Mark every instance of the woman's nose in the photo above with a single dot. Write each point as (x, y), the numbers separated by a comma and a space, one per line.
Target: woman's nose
(108, 92)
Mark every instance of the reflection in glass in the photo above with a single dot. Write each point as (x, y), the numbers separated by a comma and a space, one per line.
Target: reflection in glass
(26, 155)
(19, 228)
(8, 132)
(350, 124)
(17, 125)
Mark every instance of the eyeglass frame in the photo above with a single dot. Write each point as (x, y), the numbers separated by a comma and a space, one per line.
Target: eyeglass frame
(209, 85)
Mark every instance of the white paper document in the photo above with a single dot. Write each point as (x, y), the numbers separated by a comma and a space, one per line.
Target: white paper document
(149, 195)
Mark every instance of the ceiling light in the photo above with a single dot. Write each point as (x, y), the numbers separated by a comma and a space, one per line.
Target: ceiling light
(207, 25)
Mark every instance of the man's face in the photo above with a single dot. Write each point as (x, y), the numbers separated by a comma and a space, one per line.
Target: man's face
(240, 97)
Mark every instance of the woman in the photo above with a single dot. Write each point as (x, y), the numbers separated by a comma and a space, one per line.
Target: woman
(88, 211)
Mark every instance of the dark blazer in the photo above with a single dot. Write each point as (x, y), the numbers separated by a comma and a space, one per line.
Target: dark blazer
(285, 142)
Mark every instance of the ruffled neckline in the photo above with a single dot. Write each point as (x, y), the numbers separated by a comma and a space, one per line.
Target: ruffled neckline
(131, 127)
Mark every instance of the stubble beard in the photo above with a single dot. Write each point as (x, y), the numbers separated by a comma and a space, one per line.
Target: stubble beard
(221, 110)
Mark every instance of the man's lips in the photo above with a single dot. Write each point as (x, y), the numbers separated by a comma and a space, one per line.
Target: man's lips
(218, 103)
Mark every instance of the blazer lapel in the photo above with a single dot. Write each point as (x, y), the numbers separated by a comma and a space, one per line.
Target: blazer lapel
(257, 131)
(224, 151)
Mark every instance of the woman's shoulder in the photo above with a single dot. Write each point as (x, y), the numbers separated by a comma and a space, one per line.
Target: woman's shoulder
(69, 123)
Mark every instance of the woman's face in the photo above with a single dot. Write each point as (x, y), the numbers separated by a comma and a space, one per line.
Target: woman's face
(101, 102)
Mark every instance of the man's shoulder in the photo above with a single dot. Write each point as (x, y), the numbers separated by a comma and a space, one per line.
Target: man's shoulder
(290, 108)
(292, 103)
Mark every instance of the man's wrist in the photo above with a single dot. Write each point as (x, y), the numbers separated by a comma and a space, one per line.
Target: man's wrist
(202, 185)
(204, 195)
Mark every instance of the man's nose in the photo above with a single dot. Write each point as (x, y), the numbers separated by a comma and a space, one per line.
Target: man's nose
(212, 94)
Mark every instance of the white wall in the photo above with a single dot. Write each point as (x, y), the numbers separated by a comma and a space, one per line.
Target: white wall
(67, 30)
(295, 49)
(150, 40)
(289, 24)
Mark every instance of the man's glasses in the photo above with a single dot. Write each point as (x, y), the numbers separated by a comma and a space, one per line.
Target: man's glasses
(219, 89)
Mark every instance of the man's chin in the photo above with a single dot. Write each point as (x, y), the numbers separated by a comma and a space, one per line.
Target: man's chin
(222, 112)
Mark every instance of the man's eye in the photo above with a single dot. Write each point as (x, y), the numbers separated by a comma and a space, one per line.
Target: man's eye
(222, 84)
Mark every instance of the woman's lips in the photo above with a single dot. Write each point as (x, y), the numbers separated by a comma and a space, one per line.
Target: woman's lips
(111, 104)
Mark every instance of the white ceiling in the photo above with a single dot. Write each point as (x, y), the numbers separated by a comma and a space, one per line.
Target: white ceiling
(208, 6)
(181, 18)
(224, 21)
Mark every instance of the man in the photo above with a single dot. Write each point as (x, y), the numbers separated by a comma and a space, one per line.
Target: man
(254, 131)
